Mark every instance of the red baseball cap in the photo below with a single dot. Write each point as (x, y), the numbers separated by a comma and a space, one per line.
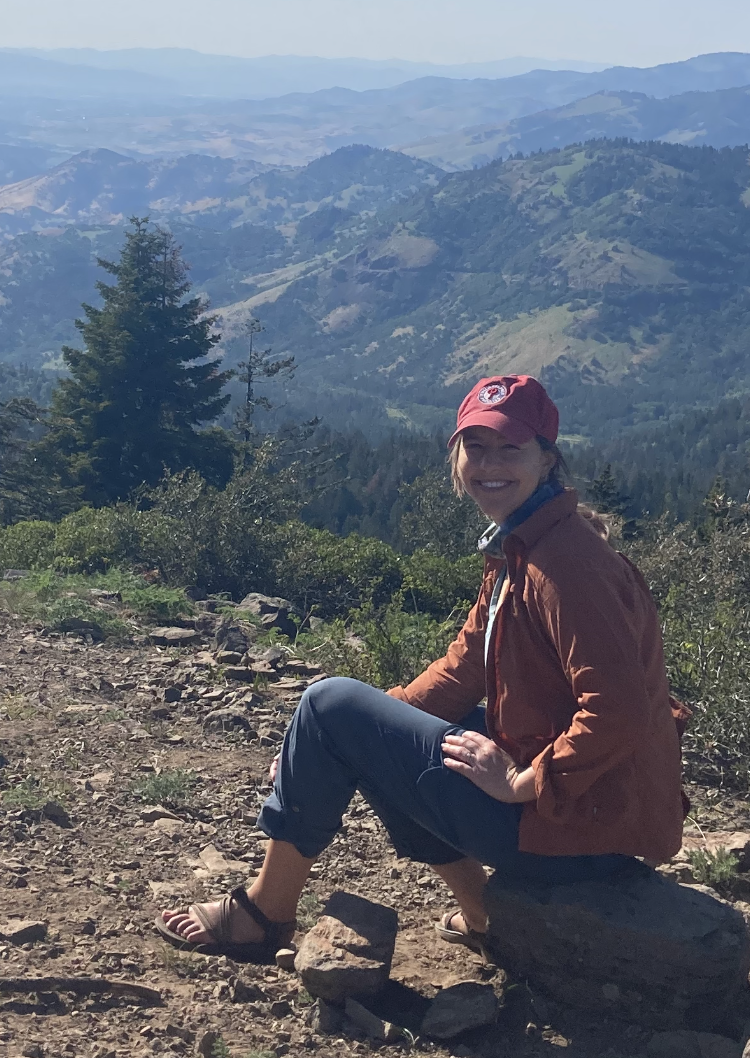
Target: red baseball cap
(517, 406)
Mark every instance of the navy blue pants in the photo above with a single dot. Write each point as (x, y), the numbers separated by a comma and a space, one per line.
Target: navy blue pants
(346, 736)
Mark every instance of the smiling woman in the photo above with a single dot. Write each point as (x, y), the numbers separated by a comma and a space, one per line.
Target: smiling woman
(571, 771)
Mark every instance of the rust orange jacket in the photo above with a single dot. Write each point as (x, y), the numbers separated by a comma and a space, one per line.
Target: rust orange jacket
(575, 686)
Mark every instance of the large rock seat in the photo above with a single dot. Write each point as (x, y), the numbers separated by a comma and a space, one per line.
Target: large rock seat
(639, 947)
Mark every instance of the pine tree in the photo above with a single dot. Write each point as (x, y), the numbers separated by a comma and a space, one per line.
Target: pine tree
(145, 382)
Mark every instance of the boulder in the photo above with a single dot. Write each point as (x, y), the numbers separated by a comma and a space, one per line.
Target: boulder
(638, 947)
(231, 636)
(173, 637)
(684, 1044)
(349, 951)
(24, 931)
(458, 1009)
(274, 612)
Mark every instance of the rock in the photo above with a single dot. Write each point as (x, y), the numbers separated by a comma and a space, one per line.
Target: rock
(81, 627)
(212, 862)
(160, 711)
(349, 951)
(327, 1018)
(151, 813)
(242, 992)
(172, 693)
(206, 1041)
(229, 657)
(458, 1009)
(639, 947)
(736, 842)
(16, 574)
(372, 1026)
(23, 931)
(173, 637)
(684, 1044)
(285, 958)
(234, 637)
(280, 1008)
(56, 814)
(239, 673)
(746, 1051)
(227, 720)
(273, 612)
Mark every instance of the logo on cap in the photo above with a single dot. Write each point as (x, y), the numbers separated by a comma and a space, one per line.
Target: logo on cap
(493, 393)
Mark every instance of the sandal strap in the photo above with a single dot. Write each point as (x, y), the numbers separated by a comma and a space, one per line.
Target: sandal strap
(272, 929)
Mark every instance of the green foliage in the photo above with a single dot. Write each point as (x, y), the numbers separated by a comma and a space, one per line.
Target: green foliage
(27, 545)
(144, 382)
(220, 1049)
(701, 581)
(717, 868)
(170, 788)
(29, 793)
(309, 908)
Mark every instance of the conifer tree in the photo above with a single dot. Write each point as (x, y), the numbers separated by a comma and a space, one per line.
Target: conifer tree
(145, 381)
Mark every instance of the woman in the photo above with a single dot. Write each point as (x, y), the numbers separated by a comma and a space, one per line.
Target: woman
(573, 769)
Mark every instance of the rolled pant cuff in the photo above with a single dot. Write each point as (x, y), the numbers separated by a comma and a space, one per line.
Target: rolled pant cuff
(283, 824)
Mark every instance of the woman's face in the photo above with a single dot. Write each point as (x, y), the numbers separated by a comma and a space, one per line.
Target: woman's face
(498, 475)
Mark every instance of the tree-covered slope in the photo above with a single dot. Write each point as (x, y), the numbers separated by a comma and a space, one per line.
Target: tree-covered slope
(617, 271)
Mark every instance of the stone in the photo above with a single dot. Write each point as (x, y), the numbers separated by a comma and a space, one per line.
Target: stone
(349, 951)
(273, 612)
(327, 1018)
(285, 958)
(16, 574)
(736, 842)
(458, 1009)
(227, 720)
(206, 1042)
(239, 673)
(23, 931)
(173, 637)
(160, 711)
(56, 814)
(372, 1026)
(685, 1044)
(172, 694)
(638, 947)
(151, 813)
(234, 637)
(229, 657)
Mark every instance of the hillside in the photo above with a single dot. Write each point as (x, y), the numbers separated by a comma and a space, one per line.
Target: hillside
(714, 119)
(102, 187)
(617, 271)
(295, 128)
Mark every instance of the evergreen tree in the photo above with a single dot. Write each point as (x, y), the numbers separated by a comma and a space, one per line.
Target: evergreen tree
(144, 383)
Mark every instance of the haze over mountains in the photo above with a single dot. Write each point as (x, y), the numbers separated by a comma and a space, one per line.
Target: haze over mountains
(416, 114)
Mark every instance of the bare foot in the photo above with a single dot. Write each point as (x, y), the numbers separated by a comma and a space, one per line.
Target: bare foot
(188, 924)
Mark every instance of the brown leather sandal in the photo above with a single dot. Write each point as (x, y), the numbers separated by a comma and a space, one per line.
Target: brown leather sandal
(277, 934)
(470, 938)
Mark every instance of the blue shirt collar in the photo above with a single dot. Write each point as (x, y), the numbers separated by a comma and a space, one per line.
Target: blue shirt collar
(491, 541)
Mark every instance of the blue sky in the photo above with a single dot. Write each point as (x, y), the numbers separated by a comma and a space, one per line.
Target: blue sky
(632, 32)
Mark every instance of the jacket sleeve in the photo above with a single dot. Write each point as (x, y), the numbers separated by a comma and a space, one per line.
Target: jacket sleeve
(595, 622)
(455, 684)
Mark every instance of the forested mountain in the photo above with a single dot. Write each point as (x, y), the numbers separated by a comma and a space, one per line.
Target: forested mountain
(715, 119)
(101, 187)
(616, 271)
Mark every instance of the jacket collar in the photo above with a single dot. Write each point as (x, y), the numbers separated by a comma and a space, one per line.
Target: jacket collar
(528, 533)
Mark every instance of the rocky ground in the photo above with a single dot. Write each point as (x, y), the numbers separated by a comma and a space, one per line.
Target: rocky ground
(118, 796)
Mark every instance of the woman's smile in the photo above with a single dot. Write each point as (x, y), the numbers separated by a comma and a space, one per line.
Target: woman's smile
(484, 460)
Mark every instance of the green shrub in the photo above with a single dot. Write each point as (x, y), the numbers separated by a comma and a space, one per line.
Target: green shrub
(717, 868)
(27, 545)
(436, 585)
(168, 788)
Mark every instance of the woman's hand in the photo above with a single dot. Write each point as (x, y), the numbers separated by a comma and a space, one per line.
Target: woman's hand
(274, 767)
(490, 768)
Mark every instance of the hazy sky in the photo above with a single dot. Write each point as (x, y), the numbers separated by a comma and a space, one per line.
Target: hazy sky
(637, 32)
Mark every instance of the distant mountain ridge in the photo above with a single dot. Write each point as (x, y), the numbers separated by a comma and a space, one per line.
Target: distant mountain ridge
(713, 119)
(293, 129)
(193, 73)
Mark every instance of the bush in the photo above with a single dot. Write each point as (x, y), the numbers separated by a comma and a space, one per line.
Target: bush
(330, 575)
(27, 545)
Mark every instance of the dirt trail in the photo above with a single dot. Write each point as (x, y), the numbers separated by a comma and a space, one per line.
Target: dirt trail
(84, 725)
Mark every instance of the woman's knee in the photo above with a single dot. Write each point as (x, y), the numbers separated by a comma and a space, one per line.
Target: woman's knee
(339, 702)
